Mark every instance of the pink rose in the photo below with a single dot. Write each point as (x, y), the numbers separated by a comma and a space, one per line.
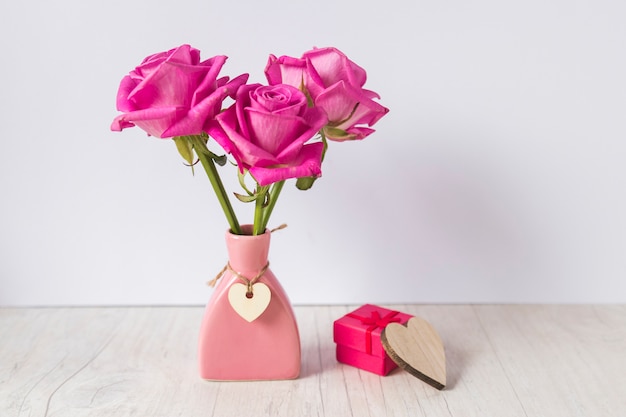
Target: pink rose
(335, 84)
(267, 130)
(173, 94)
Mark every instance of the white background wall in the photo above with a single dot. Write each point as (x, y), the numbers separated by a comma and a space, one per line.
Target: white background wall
(498, 176)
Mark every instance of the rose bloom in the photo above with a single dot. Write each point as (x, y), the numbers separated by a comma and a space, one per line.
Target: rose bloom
(267, 131)
(335, 84)
(173, 93)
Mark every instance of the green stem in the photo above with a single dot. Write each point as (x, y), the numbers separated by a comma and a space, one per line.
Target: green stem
(258, 211)
(274, 193)
(216, 182)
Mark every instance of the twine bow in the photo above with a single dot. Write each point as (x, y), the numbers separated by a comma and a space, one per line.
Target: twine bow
(375, 321)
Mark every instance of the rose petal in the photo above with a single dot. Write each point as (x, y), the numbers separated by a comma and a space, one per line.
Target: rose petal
(333, 66)
(308, 164)
(196, 119)
(340, 102)
(224, 131)
(281, 98)
(119, 124)
(154, 121)
(285, 70)
(315, 118)
(353, 133)
(208, 84)
(126, 86)
(273, 132)
(171, 84)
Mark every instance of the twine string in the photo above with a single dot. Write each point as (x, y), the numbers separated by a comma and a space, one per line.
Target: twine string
(282, 226)
(248, 282)
(217, 277)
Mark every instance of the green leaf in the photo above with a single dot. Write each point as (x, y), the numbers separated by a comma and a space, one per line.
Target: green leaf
(242, 181)
(246, 198)
(219, 159)
(304, 183)
(185, 148)
(335, 133)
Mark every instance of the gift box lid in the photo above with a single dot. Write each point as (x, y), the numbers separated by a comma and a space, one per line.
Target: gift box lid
(361, 328)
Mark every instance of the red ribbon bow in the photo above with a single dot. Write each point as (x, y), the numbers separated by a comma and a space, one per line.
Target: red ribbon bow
(374, 321)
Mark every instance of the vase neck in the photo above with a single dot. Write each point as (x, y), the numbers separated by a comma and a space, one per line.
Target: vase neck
(247, 254)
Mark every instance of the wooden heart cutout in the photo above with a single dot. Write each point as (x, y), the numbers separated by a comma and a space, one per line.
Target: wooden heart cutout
(417, 348)
(250, 308)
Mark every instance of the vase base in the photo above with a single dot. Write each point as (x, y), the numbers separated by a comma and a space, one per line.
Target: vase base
(287, 378)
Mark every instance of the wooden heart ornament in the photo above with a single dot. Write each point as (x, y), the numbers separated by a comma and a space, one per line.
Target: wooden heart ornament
(249, 305)
(417, 348)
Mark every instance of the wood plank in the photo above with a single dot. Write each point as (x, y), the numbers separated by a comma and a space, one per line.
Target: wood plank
(476, 385)
(501, 360)
(561, 360)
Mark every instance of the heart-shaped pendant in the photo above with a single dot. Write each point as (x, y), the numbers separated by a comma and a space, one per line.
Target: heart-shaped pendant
(416, 348)
(249, 305)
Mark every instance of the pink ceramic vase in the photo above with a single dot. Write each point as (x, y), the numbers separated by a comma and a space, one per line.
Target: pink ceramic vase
(230, 347)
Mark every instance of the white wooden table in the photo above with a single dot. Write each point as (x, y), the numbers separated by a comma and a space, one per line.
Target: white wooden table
(519, 360)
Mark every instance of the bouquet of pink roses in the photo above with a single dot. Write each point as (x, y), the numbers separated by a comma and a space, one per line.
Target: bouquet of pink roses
(274, 132)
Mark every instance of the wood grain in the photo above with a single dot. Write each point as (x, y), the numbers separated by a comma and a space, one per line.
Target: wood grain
(417, 348)
(530, 360)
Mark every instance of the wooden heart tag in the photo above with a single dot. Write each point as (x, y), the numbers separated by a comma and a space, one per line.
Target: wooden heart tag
(249, 305)
(417, 348)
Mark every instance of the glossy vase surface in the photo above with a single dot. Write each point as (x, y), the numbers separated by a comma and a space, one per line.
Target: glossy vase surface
(234, 349)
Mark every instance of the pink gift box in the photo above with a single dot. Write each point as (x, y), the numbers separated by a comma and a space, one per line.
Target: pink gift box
(357, 335)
